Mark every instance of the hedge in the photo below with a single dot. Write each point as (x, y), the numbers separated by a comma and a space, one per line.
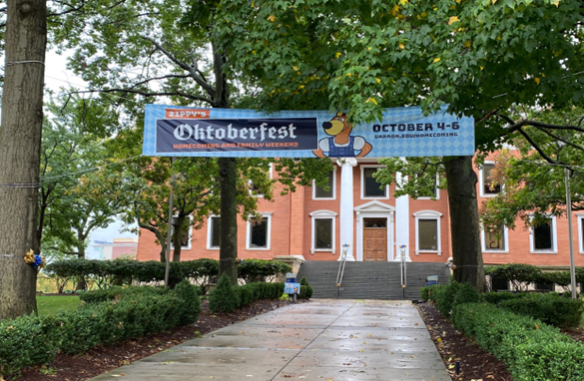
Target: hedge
(225, 298)
(533, 351)
(550, 308)
(119, 272)
(521, 275)
(32, 340)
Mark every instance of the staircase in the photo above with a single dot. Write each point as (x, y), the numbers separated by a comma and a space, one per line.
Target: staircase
(370, 280)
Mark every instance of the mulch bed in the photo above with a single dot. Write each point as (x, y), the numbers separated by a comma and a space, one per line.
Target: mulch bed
(105, 358)
(475, 363)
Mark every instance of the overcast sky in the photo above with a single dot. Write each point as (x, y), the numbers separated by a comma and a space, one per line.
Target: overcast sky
(57, 76)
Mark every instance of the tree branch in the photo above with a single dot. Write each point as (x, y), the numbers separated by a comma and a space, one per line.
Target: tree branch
(193, 71)
(149, 94)
(63, 251)
(539, 150)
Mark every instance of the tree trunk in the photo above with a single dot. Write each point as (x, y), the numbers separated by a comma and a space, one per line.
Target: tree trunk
(20, 142)
(228, 248)
(81, 281)
(464, 222)
(176, 238)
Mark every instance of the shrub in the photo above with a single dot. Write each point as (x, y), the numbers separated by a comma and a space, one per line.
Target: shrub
(517, 273)
(305, 289)
(445, 298)
(31, 340)
(551, 309)
(253, 270)
(533, 350)
(466, 293)
(424, 292)
(24, 342)
(117, 292)
(224, 298)
(435, 290)
(497, 297)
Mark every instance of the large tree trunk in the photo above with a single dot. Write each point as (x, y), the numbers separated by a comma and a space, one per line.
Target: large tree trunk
(464, 222)
(20, 142)
(228, 249)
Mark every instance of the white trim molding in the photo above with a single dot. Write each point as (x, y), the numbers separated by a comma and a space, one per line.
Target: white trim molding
(375, 209)
(495, 251)
(322, 215)
(210, 232)
(580, 234)
(333, 188)
(267, 215)
(362, 183)
(554, 249)
(428, 215)
(482, 182)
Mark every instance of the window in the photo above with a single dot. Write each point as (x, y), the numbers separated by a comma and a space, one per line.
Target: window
(258, 233)
(543, 236)
(323, 231)
(214, 232)
(185, 239)
(487, 187)
(581, 232)
(495, 239)
(434, 193)
(428, 231)
(320, 193)
(370, 188)
(253, 190)
(428, 234)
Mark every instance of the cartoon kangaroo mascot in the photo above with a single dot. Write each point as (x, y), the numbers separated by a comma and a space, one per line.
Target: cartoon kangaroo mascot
(342, 144)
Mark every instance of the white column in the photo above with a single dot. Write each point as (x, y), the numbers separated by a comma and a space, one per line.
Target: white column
(346, 215)
(402, 223)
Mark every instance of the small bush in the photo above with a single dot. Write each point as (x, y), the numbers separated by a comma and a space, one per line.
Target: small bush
(445, 298)
(24, 342)
(551, 309)
(224, 298)
(305, 289)
(497, 297)
(435, 290)
(117, 292)
(424, 292)
(533, 350)
(466, 293)
(254, 270)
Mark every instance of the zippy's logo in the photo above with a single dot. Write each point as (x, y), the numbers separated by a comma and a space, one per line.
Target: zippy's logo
(342, 144)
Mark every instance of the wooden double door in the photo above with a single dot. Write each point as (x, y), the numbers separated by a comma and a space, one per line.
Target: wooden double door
(375, 239)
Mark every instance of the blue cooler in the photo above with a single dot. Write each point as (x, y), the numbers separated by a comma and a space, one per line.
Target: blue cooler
(433, 279)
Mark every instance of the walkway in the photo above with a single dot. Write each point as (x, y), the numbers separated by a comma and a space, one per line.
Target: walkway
(338, 340)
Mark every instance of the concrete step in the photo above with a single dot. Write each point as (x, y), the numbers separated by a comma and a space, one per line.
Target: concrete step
(370, 280)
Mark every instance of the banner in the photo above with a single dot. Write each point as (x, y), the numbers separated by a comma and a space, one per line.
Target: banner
(188, 131)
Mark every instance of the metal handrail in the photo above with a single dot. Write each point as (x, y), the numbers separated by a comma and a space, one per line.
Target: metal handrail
(341, 271)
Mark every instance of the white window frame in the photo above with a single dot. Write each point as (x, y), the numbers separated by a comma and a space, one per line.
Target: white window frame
(495, 251)
(482, 182)
(363, 197)
(554, 238)
(437, 192)
(190, 245)
(210, 232)
(267, 215)
(428, 215)
(580, 217)
(322, 215)
(334, 188)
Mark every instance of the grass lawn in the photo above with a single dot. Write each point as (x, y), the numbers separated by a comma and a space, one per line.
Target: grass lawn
(52, 304)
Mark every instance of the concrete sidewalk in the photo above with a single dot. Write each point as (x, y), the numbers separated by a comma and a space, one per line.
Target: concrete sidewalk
(338, 340)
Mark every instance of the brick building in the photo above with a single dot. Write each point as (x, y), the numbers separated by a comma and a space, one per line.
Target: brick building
(314, 224)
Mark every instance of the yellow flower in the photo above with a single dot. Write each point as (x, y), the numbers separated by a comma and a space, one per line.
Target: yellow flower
(436, 59)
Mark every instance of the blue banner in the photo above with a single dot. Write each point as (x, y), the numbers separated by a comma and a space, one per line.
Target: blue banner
(189, 131)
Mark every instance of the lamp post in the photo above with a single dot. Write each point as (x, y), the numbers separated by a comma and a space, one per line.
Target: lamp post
(170, 221)
(569, 212)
